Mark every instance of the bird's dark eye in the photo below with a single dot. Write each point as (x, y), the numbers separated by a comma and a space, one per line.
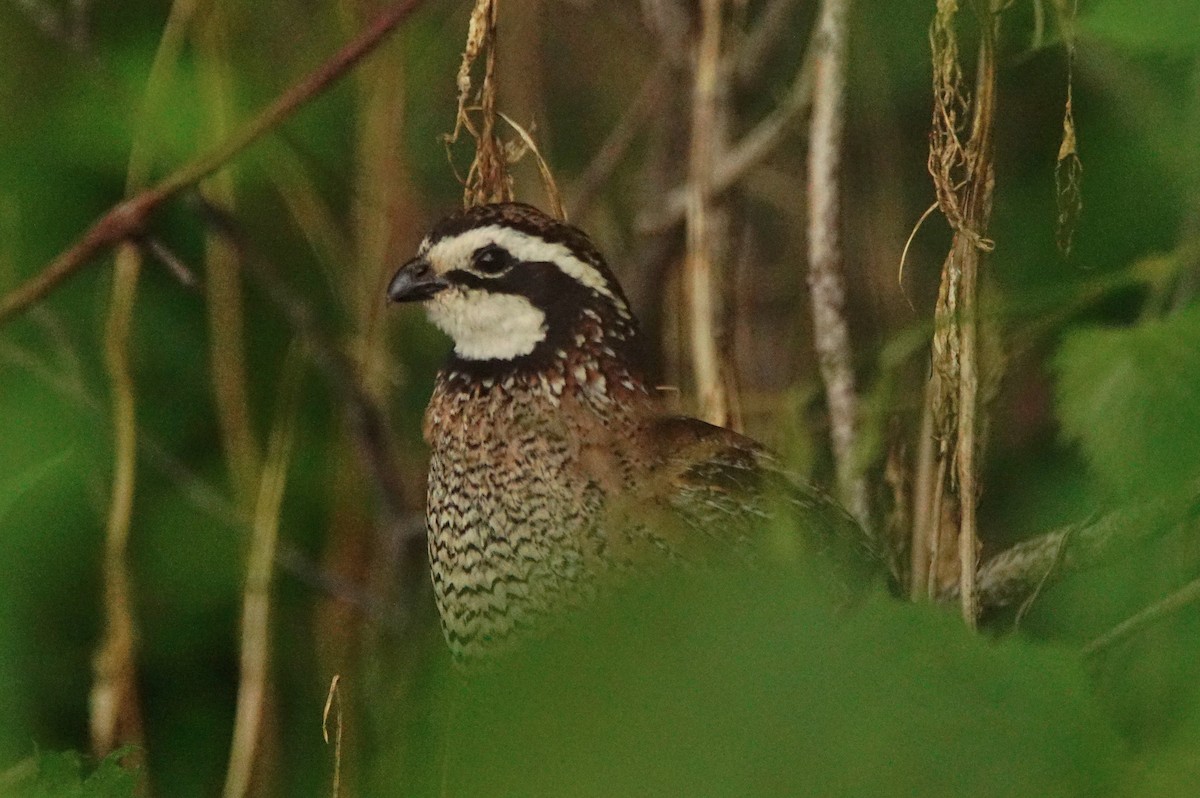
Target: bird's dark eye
(492, 259)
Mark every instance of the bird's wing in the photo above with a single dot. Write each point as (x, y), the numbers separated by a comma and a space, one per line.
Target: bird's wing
(731, 489)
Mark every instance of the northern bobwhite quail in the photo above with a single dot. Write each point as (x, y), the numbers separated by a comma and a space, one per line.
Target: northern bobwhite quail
(552, 470)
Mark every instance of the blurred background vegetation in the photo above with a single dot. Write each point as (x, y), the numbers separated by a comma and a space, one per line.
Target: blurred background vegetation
(740, 684)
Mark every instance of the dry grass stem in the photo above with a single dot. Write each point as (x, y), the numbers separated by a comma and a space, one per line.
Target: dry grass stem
(1068, 168)
(256, 600)
(963, 179)
(705, 244)
(551, 186)
(487, 178)
(332, 699)
(114, 708)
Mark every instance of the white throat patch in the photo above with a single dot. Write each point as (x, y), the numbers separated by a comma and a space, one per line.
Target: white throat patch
(487, 326)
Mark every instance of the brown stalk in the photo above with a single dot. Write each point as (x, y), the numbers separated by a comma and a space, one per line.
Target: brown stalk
(487, 178)
(115, 711)
(826, 281)
(705, 244)
(963, 178)
(256, 598)
(128, 218)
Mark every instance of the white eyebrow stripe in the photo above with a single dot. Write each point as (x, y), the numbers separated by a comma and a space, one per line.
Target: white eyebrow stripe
(454, 252)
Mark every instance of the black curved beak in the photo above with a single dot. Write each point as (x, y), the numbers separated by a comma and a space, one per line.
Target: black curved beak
(415, 282)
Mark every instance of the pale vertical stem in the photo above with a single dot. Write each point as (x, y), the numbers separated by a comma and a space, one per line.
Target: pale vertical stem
(827, 285)
(979, 199)
(702, 244)
(256, 600)
(114, 706)
(115, 714)
(223, 273)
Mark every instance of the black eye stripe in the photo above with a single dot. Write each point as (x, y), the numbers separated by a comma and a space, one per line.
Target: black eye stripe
(492, 259)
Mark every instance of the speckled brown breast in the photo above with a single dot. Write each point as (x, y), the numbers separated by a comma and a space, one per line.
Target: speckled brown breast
(516, 497)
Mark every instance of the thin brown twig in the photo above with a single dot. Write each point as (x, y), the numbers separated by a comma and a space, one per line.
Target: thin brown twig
(128, 218)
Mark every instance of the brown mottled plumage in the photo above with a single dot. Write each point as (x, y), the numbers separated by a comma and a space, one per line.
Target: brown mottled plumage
(552, 470)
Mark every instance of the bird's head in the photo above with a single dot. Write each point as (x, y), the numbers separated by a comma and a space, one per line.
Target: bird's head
(515, 288)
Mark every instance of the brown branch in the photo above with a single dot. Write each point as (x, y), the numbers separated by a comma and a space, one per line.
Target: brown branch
(128, 218)
(256, 601)
(1013, 574)
(826, 281)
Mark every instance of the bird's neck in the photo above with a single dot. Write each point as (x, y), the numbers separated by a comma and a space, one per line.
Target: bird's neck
(597, 352)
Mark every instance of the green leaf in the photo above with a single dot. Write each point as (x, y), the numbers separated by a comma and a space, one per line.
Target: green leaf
(60, 774)
(1130, 399)
(1156, 26)
(752, 684)
(14, 487)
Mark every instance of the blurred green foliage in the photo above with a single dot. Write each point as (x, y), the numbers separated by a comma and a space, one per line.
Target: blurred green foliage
(738, 684)
(61, 775)
(1127, 397)
(701, 687)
